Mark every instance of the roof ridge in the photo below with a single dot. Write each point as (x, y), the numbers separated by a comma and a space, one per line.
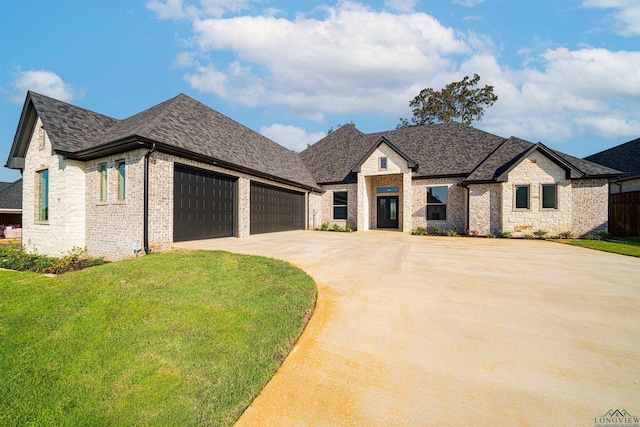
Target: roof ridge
(486, 158)
(160, 116)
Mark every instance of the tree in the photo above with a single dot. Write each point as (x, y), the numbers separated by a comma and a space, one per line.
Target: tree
(458, 100)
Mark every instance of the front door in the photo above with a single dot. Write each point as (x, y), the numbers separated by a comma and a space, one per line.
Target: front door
(388, 212)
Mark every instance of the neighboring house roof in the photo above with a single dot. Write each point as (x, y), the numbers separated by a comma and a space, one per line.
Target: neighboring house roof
(11, 195)
(440, 150)
(180, 126)
(624, 157)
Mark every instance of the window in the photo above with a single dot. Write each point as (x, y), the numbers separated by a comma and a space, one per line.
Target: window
(339, 205)
(383, 163)
(121, 180)
(437, 203)
(549, 196)
(522, 197)
(43, 195)
(103, 183)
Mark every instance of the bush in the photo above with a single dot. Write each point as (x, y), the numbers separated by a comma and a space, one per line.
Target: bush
(505, 234)
(14, 257)
(419, 231)
(565, 235)
(598, 235)
(323, 227)
(437, 231)
(527, 237)
(336, 227)
(452, 232)
(348, 228)
(540, 233)
(490, 236)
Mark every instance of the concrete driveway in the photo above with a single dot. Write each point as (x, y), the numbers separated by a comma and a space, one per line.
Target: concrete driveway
(428, 331)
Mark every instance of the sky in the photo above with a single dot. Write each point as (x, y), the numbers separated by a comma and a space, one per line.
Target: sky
(566, 73)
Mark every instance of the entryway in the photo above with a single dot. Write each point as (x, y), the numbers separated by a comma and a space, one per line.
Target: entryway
(387, 212)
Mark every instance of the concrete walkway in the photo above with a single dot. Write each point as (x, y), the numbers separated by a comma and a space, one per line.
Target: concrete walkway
(425, 331)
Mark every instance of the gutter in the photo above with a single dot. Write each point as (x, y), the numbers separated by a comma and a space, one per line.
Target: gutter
(146, 199)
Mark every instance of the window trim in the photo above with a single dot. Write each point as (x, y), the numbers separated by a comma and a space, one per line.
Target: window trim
(42, 214)
(515, 197)
(104, 181)
(122, 179)
(446, 214)
(555, 206)
(345, 206)
(381, 160)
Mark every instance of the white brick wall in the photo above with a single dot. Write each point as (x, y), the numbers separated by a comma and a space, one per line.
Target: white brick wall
(591, 206)
(456, 203)
(65, 228)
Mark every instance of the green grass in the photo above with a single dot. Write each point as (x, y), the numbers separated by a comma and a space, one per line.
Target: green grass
(187, 338)
(618, 245)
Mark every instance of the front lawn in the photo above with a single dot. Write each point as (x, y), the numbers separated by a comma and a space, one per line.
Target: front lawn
(186, 338)
(619, 245)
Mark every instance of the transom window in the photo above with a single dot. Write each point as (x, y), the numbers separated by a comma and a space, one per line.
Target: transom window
(437, 203)
(339, 205)
(522, 196)
(103, 183)
(383, 163)
(549, 196)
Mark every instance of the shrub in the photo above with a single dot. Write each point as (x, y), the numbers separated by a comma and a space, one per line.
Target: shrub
(14, 257)
(598, 235)
(490, 236)
(540, 233)
(527, 236)
(505, 234)
(565, 235)
(348, 228)
(452, 232)
(419, 231)
(437, 231)
(324, 226)
(336, 227)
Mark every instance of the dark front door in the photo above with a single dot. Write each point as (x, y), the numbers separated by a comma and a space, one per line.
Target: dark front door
(388, 212)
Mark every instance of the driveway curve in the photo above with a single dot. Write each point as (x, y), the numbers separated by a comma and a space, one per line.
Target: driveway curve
(413, 330)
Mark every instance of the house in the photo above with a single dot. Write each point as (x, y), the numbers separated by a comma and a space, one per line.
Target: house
(182, 171)
(11, 208)
(454, 176)
(624, 199)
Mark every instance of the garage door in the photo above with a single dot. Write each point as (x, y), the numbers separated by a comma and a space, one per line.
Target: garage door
(203, 205)
(275, 209)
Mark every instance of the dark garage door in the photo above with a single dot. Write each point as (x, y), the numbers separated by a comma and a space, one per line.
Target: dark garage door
(203, 205)
(275, 209)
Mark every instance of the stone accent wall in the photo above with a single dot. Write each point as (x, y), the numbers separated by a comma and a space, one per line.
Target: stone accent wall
(65, 228)
(485, 208)
(456, 204)
(534, 171)
(326, 212)
(314, 215)
(590, 206)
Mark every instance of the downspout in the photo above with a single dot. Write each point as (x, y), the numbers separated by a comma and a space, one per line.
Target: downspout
(146, 199)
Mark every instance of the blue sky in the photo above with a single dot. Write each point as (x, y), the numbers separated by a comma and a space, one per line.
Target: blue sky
(566, 72)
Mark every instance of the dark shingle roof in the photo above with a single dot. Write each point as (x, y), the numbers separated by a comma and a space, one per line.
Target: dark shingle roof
(11, 195)
(624, 157)
(181, 123)
(446, 149)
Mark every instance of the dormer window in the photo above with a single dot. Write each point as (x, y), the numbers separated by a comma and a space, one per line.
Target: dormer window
(383, 163)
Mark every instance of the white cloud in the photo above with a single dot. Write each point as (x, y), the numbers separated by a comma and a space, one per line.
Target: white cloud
(401, 5)
(294, 138)
(627, 14)
(43, 82)
(468, 3)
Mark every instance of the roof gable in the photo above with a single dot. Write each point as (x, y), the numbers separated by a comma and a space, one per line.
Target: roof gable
(410, 163)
